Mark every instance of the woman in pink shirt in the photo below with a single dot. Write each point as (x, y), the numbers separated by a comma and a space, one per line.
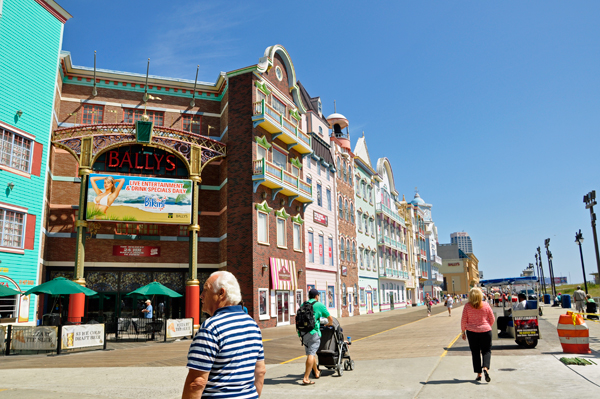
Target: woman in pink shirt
(476, 324)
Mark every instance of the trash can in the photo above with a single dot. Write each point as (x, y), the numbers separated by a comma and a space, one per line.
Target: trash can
(566, 301)
(547, 299)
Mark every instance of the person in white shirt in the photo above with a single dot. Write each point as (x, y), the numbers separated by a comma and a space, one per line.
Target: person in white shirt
(449, 303)
(522, 305)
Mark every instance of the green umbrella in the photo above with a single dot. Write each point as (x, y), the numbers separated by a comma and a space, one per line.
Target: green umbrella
(154, 288)
(60, 286)
(5, 291)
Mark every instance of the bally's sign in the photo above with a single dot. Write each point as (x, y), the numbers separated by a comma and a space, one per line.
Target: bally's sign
(454, 264)
(320, 218)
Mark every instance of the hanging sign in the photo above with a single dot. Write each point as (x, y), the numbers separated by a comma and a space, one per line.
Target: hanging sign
(139, 199)
(180, 327)
(82, 336)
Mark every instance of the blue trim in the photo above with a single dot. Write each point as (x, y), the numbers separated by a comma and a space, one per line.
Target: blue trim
(292, 145)
(291, 199)
(275, 135)
(257, 183)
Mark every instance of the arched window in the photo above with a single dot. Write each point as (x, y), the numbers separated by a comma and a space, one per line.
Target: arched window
(348, 253)
(345, 171)
(342, 253)
(346, 210)
(341, 210)
(360, 256)
(350, 180)
(364, 189)
(339, 165)
(352, 212)
(354, 251)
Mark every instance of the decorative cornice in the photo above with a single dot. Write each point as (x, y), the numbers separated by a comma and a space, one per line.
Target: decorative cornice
(263, 207)
(262, 87)
(282, 213)
(297, 163)
(297, 219)
(262, 141)
(294, 113)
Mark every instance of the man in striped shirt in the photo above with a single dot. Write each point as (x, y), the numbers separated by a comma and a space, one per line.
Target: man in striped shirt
(226, 358)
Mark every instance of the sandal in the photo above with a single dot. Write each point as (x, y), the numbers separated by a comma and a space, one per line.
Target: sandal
(487, 376)
(308, 383)
(478, 378)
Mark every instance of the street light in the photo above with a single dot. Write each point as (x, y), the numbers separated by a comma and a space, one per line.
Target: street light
(579, 241)
(550, 266)
(590, 200)
(538, 256)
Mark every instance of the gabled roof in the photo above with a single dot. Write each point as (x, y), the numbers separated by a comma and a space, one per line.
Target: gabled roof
(311, 103)
(362, 151)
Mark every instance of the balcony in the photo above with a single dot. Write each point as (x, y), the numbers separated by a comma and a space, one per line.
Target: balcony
(423, 253)
(436, 259)
(273, 122)
(391, 243)
(424, 275)
(280, 181)
(393, 274)
(380, 208)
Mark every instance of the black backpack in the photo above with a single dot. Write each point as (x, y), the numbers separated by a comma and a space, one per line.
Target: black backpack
(305, 318)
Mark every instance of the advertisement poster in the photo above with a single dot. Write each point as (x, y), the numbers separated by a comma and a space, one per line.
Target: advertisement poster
(331, 296)
(2, 337)
(139, 199)
(180, 328)
(526, 326)
(298, 299)
(135, 250)
(24, 308)
(82, 336)
(34, 338)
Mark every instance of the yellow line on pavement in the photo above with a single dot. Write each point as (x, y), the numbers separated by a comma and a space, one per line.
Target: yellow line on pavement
(266, 340)
(451, 343)
(291, 360)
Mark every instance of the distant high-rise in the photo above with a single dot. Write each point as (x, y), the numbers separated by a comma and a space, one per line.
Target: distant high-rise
(463, 240)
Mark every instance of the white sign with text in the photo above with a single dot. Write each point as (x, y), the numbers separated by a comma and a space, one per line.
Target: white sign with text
(180, 328)
(82, 336)
(34, 338)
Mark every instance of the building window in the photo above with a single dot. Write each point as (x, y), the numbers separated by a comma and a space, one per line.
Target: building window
(279, 159)
(261, 152)
(352, 212)
(260, 96)
(319, 195)
(328, 192)
(328, 173)
(341, 208)
(191, 123)
(311, 247)
(15, 151)
(350, 180)
(318, 168)
(148, 229)
(297, 237)
(358, 220)
(322, 249)
(134, 115)
(320, 128)
(364, 189)
(366, 225)
(342, 253)
(330, 251)
(281, 241)
(278, 105)
(354, 251)
(183, 231)
(126, 229)
(360, 258)
(346, 214)
(92, 114)
(263, 228)
(11, 228)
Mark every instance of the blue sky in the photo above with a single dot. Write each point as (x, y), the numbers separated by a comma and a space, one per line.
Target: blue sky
(489, 108)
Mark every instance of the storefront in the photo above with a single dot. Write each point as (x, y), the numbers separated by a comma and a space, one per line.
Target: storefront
(285, 295)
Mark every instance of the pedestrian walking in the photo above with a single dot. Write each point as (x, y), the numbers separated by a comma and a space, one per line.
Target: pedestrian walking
(226, 357)
(476, 325)
(449, 303)
(579, 297)
(428, 302)
(311, 339)
(497, 299)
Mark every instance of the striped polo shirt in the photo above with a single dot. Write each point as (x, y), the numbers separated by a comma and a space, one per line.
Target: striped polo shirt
(228, 344)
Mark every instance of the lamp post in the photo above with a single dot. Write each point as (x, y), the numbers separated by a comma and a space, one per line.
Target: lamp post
(550, 266)
(579, 241)
(539, 257)
(590, 200)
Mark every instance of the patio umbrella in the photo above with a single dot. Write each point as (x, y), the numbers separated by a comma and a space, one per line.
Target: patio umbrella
(5, 291)
(60, 286)
(154, 288)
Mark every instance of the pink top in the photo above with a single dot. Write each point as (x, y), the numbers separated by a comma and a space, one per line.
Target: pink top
(477, 320)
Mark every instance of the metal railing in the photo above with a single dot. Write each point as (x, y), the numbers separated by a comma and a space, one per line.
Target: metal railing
(436, 259)
(262, 108)
(382, 208)
(264, 167)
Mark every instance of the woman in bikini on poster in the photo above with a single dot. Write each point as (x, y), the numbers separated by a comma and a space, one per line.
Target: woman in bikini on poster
(104, 199)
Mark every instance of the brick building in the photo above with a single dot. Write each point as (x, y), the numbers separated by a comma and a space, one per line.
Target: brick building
(238, 146)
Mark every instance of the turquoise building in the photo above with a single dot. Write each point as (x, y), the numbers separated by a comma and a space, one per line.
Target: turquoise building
(30, 41)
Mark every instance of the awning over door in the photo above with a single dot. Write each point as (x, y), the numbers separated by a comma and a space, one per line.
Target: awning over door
(283, 274)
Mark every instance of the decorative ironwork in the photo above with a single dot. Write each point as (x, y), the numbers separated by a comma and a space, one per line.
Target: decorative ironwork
(108, 135)
(61, 273)
(131, 281)
(102, 281)
(174, 281)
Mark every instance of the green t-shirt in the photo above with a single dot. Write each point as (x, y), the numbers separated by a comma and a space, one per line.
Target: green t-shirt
(320, 311)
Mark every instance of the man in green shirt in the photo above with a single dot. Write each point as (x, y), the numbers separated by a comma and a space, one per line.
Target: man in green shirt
(312, 339)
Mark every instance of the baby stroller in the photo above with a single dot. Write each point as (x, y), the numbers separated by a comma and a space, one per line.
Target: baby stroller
(334, 350)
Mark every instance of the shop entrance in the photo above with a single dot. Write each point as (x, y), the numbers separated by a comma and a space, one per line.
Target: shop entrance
(283, 308)
(369, 302)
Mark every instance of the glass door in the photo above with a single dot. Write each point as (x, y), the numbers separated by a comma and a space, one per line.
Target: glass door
(283, 308)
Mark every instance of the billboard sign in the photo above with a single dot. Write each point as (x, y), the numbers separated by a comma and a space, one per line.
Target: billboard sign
(135, 250)
(82, 336)
(139, 199)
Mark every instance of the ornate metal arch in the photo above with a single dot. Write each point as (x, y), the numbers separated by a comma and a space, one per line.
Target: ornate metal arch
(87, 142)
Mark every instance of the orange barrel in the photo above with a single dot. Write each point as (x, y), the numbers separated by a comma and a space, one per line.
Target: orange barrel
(573, 333)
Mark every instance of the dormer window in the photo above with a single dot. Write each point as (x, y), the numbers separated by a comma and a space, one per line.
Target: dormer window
(320, 131)
(320, 109)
